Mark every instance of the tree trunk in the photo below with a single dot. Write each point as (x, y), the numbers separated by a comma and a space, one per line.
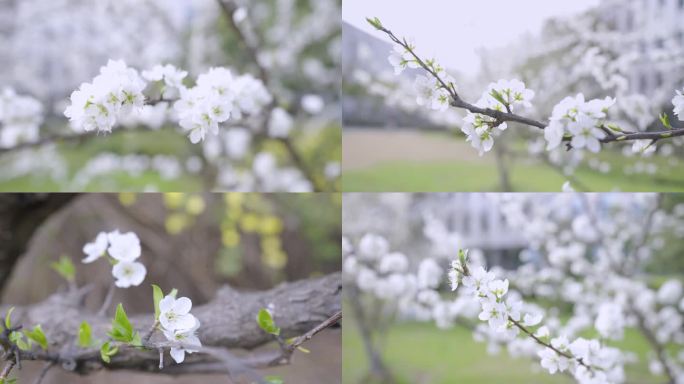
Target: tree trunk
(20, 216)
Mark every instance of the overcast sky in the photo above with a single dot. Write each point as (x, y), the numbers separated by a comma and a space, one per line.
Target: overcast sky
(452, 30)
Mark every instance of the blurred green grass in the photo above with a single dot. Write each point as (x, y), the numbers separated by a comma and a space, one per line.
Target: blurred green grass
(525, 175)
(473, 177)
(422, 353)
(317, 147)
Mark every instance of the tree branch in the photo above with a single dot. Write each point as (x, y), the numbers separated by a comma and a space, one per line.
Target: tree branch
(228, 7)
(501, 117)
(228, 321)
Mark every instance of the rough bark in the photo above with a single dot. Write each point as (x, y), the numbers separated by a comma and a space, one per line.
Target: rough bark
(20, 216)
(227, 321)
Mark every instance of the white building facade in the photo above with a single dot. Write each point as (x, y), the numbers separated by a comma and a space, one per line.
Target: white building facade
(655, 30)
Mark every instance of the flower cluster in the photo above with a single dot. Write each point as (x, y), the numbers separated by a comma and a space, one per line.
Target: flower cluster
(678, 102)
(171, 76)
(586, 360)
(179, 326)
(384, 274)
(116, 91)
(116, 95)
(123, 249)
(20, 117)
(503, 96)
(217, 97)
(583, 120)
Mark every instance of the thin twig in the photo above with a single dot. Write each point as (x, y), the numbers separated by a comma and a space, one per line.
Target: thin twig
(44, 372)
(107, 301)
(8, 368)
(334, 319)
(150, 332)
(660, 352)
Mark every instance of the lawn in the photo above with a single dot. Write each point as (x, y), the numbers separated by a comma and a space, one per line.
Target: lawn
(422, 353)
(316, 147)
(475, 177)
(388, 161)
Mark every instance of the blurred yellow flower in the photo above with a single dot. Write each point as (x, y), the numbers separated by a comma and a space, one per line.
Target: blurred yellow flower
(195, 205)
(173, 200)
(127, 198)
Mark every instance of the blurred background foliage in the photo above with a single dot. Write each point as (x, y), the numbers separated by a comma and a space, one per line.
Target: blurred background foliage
(194, 242)
(197, 37)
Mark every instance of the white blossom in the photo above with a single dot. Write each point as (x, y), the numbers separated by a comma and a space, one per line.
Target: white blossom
(430, 93)
(172, 77)
(20, 118)
(585, 133)
(174, 314)
(512, 92)
(128, 273)
(670, 292)
(373, 246)
(96, 249)
(124, 246)
(553, 362)
(393, 263)
(186, 337)
(610, 321)
(678, 102)
(401, 59)
(280, 123)
(429, 274)
(116, 90)
(478, 281)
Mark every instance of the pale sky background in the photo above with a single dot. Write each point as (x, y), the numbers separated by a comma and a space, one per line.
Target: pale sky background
(452, 30)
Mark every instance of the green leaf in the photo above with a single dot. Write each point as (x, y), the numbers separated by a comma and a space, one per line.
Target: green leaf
(65, 268)
(157, 295)
(665, 119)
(292, 339)
(375, 22)
(85, 335)
(18, 339)
(38, 336)
(8, 318)
(302, 349)
(173, 293)
(107, 351)
(265, 321)
(274, 380)
(122, 330)
(137, 341)
(496, 95)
